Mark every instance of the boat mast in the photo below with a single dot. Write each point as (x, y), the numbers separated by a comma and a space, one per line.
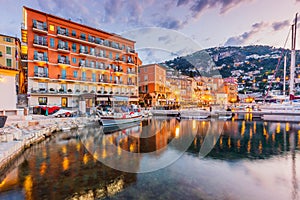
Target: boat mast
(284, 75)
(293, 59)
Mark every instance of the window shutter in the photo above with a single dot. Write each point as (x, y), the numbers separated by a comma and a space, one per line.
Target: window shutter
(58, 29)
(34, 23)
(46, 71)
(36, 69)
(45, 26)
(67, 32)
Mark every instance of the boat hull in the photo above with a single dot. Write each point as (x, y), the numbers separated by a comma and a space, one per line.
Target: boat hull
(113, 121)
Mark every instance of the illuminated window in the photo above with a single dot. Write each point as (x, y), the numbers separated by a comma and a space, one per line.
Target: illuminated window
(51, 27)
(42, 100)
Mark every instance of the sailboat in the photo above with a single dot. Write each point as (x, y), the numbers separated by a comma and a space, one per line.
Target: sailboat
(289, 110)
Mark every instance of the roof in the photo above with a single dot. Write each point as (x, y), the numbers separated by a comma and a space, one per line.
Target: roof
(69, 21)
(8, 68)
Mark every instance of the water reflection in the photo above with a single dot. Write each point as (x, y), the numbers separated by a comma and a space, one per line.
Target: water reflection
(61, 168)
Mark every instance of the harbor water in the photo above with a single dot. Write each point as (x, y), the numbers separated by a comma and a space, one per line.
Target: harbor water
(162, 158)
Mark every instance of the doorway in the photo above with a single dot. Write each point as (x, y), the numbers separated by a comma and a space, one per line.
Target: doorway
(64, 102)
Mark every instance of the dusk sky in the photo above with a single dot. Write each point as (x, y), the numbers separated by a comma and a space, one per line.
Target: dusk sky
(170, 27)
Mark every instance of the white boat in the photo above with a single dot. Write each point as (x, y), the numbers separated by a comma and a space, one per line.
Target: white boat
(164, 112)
(119, 113)
(119, 118)
(225, 115)
(194, 114)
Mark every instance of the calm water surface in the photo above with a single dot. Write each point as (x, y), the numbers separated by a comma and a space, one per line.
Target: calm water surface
(245, 160)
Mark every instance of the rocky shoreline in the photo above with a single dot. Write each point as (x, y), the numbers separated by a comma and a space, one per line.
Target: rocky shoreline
(16, 136)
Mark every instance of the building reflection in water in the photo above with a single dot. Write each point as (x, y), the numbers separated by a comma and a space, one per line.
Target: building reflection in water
(67, 168)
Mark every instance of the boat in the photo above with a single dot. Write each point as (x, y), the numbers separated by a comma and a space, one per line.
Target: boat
(119, 113)
(225, 115)
(160, 112)
(194, 114)
(289, 109)
(112, 129)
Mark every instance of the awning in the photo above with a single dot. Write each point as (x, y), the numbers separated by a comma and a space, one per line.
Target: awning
(133, 99)
(102, 99)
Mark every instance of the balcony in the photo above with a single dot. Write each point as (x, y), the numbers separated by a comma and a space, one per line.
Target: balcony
(40, 59)
(63, 62)
(63, 49)
(40, 44)
(39, 28)
(39, 90)
(41, 74)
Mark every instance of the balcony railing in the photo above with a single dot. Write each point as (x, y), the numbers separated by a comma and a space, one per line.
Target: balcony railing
(40, 27)
(39, 90)
(61, 61)
(62, 32)
(40, 42)
(40, 58)
(64, 48)
(41, 74)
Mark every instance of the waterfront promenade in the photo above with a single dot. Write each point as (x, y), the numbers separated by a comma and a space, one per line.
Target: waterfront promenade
(20, 132)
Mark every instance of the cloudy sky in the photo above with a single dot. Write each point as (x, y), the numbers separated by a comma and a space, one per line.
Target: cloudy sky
(170, 27)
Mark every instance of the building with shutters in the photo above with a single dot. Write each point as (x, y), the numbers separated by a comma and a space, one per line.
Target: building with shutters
(69, 62)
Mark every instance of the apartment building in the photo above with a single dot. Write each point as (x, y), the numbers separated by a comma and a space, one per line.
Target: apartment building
(69, 62)
(152, 84)
(9, 71)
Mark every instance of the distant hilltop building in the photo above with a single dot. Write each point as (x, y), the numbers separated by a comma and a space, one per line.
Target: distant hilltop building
(68, 62)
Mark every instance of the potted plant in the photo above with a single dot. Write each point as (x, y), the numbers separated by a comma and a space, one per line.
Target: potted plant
(92, 91)
(77, 91)
(99, 91)
(52, 90)
(70, 90)
(61, 90)
(105, 92)
(111, 92)
(85, 91)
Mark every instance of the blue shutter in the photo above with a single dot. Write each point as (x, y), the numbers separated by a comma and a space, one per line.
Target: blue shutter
(63, 74)
(59, 57)
(66, 45)
(34, 23)
(94, 77)
(35, 55)
(45, 57)
(67, 32)
(36, 70)
(58, 29)
(46, 71)
(45, 26)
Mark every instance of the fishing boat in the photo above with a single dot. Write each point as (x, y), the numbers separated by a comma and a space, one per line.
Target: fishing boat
(119, 113)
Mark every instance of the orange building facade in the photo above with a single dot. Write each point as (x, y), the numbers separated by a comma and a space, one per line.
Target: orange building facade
(152, 84)
(68, 62)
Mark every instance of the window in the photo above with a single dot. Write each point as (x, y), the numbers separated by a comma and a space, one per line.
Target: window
(74, 60)
(63, 74)
(145, 69)
(110, 55)
(42, 100)
(73, 33)
(52, 42)
(75, 74)
(8, 50)
(51, 27)
(146, 78)
(74, 47)
(83, 76)
(94, 77)
(82, 36)
(7, 39)
(8, 62)
(117, 56)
